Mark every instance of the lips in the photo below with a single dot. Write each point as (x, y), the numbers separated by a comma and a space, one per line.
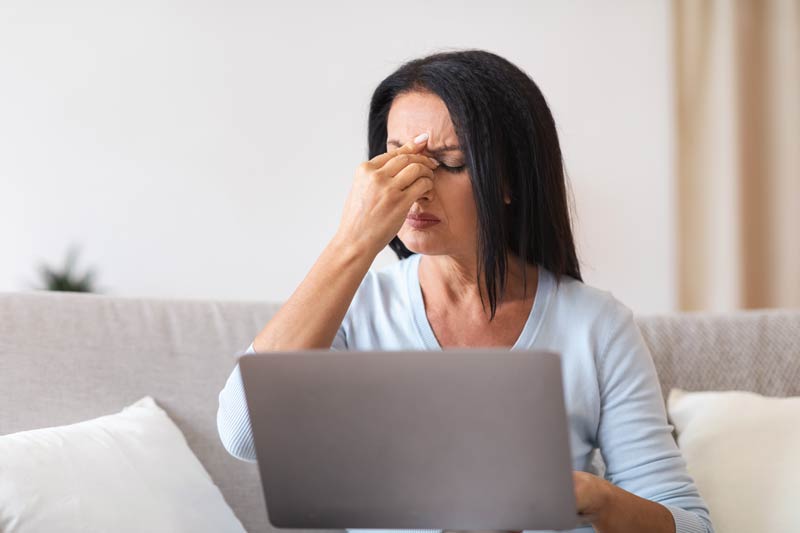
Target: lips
(422, 216)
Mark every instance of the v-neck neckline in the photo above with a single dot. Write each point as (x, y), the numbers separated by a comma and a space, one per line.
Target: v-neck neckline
(425, 330)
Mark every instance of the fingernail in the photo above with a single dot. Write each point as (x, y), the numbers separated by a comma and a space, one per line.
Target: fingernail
(435, 162)
(421, 137)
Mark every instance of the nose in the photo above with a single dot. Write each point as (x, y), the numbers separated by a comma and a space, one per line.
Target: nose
(430, 194)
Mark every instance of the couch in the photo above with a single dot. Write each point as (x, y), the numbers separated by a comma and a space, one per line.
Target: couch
(67, 357)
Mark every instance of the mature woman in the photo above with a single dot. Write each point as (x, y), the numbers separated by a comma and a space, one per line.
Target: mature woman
(465, 183)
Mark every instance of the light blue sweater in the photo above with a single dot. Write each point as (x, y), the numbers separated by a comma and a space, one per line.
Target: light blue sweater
(612, 394)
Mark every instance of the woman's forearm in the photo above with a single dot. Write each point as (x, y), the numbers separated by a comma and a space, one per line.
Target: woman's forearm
(312, 315)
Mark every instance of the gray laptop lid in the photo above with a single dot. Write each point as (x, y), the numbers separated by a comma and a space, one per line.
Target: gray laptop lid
(466, 439)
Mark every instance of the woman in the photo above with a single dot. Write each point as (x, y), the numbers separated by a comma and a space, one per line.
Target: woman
(465, 183)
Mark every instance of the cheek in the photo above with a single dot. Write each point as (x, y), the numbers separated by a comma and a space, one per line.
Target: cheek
(458, 202)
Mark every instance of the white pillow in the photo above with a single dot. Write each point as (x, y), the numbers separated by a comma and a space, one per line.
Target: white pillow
(130, 471)
(743, 451)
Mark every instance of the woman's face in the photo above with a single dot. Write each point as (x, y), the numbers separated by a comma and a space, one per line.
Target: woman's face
(451, 200)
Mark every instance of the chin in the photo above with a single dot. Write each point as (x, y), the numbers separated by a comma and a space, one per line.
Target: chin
(421, 242)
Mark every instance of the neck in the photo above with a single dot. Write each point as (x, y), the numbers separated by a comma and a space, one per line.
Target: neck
(454, 279)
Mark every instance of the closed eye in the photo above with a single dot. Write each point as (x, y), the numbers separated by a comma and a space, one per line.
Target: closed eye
(451, 169)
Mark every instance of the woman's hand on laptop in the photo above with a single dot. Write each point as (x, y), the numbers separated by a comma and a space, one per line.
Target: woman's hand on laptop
(592, 494)
(610, 508)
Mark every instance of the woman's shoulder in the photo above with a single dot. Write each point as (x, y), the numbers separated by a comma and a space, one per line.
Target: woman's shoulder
(578, 301)
(583, 313)
(395, 271)
(383, 285)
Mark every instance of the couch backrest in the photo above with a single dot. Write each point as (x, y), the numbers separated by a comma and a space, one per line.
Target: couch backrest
(69, 357)
(757, 350)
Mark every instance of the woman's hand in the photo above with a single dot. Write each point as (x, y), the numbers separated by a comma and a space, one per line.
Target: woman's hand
(612, 509)
(383, 191)
(592, 493)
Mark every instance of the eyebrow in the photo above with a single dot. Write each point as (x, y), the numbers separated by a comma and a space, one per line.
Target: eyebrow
(441, 150)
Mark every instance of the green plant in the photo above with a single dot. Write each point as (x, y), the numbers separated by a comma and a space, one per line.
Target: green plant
(66, 279)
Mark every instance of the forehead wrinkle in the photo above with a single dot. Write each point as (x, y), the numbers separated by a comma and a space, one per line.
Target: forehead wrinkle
(416, 113)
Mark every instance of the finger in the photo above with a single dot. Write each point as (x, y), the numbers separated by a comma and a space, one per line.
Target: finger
(410, 174)
(419, 187)
(400, 161)
(414, 145)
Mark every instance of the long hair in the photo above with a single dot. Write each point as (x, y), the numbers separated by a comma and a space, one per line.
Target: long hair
(509, 140)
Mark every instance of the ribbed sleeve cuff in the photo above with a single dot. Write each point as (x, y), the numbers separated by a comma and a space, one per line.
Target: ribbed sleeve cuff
(687, 521)
(233, 419)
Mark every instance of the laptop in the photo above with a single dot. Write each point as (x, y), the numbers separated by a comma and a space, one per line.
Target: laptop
(459, 439)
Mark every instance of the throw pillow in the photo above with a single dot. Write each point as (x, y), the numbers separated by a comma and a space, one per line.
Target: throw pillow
(127, 472)
(743, 451)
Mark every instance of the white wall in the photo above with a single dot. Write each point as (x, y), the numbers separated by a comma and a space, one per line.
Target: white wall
(205, 149)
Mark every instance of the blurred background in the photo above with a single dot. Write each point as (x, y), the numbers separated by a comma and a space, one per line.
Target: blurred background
(205, 149)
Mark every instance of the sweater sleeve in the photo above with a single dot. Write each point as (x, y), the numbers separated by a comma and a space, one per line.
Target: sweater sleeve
(233, 419)
(633, 435)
